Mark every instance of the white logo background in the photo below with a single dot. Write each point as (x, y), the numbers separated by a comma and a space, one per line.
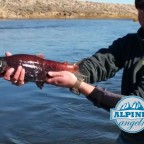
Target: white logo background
(129, 114)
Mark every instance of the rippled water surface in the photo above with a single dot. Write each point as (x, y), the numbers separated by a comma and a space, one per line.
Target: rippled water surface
(53, 115)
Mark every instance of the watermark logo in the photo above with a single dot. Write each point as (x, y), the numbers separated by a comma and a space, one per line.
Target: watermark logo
(129, 114)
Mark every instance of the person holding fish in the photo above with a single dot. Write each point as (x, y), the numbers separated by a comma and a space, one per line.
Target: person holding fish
(126, 52)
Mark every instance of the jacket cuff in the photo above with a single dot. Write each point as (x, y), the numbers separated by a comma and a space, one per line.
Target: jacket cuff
(103, 98)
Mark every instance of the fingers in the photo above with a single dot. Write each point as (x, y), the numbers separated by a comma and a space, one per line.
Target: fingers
(54, 77)
(18, 77)
(8, 74)
(17, 74)
(54, 74)
(62, 78)
(8, 54)
(20, 80)
(53, 81)
(22, 76)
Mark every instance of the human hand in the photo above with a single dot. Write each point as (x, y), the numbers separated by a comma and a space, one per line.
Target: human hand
(16, 78)
(62, 79)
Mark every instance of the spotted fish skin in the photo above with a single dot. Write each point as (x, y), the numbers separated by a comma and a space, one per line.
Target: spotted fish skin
(36, 68)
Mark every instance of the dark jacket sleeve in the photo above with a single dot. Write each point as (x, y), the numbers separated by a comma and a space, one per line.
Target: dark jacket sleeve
(103, 98)
(138, 87)
(104, 63)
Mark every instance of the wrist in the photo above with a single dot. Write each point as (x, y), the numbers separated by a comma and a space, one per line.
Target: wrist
(76, 87)
(86, 89)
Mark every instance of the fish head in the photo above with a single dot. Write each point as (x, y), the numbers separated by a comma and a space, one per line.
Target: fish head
(3, 65)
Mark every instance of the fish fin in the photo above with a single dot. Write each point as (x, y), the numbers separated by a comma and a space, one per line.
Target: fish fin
(40, 56)
(65, 63)
(40, 84)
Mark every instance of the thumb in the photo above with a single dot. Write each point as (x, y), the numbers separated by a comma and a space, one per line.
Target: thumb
(54, 74)
(8, 54)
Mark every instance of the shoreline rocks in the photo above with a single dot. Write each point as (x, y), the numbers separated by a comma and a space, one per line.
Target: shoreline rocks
(44, 9)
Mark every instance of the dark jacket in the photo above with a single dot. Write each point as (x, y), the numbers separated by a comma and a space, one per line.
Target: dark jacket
(126, 53)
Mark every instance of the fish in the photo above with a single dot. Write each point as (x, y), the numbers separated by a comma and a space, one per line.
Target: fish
(36, 68)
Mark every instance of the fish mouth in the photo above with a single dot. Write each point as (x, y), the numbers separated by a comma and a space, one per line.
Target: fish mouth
(0, 64)
(3, 66)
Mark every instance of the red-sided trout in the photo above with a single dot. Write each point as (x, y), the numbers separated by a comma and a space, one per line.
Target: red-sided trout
(36, 68)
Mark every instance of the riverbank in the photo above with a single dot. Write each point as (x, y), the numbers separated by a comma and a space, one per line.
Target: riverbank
(44, 9)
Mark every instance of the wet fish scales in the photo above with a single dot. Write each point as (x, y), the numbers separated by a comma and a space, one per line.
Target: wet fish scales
(36, 68)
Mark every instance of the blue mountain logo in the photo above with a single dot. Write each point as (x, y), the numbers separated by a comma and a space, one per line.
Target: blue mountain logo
(134, 106)
(129, 114)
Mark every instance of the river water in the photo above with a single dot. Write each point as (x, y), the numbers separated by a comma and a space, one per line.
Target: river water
(54, 115)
